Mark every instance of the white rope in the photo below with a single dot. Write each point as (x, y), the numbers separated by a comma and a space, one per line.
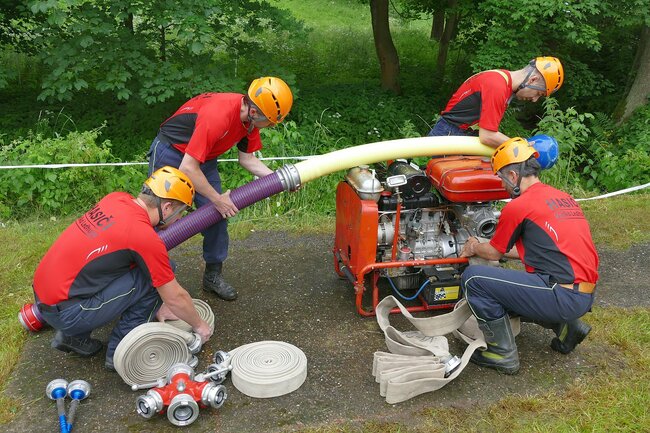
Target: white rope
(268, 368)
(113, 164)
(619, 192)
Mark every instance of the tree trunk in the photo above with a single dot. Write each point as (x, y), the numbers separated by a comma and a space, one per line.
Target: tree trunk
(445, 40)
(163, 44)
(129, 23)
(640, 90)
(386, 51)
(438, 24)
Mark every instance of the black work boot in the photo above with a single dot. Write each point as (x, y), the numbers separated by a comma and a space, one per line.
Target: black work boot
(84, 346)
(569, 335)
(501, 353)
(213, 282)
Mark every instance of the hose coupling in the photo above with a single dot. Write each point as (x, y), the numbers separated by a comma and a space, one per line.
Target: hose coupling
(289, 177)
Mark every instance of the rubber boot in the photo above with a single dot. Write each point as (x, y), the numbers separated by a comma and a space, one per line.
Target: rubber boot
(213, 282)
(569, 335)
(501, 353)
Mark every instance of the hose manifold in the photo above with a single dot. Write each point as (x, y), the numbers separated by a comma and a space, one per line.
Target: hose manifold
(181, 396)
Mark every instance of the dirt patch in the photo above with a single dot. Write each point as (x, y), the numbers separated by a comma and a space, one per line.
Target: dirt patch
(289, 292)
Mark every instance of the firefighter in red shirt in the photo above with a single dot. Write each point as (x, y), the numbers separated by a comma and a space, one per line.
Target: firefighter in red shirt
(203, 129)
(483, 98)
(546, 229)
(111, 263)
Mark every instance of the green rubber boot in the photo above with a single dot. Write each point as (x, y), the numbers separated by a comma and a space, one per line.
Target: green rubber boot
(501, 353)
(569, 335)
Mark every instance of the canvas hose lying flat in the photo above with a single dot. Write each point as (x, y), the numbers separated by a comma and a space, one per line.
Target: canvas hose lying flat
(417, 361)
(262, 369)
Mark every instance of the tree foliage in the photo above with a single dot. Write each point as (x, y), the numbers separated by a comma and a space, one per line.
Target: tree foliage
(151, 49)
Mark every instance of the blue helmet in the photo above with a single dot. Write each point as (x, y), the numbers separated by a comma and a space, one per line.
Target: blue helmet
(547, 148)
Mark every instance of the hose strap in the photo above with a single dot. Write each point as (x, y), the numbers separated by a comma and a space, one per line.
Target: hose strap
(419, 361)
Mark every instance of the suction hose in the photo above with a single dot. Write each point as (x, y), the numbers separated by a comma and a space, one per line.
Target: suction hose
(290, 177)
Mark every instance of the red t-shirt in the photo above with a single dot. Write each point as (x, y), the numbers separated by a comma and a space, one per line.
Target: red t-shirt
(482, 98)
(551, 234)
(105, 243)
(208, 125)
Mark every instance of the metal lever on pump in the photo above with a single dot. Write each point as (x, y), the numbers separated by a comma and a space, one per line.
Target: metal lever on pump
(394, 182)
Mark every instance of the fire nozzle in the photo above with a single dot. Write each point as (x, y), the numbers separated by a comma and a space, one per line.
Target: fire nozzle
(181, 397)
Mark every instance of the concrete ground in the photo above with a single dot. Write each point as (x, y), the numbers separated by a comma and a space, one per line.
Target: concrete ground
(289, 291)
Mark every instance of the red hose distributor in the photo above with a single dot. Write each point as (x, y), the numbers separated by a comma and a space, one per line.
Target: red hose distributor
(181, 397)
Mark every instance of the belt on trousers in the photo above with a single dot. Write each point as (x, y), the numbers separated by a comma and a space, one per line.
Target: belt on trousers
(583, 287)
(57, 307)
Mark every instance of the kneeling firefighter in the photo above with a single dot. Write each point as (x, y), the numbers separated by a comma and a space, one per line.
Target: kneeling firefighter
(546, 229)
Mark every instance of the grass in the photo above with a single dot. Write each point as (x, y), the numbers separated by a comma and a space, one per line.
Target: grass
(618, 222)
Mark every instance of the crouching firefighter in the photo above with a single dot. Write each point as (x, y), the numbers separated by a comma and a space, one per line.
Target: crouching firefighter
(111, 264)
(546, 229)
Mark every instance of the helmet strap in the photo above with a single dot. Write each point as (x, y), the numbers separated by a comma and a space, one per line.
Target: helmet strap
(531, 68)
(516, 188)
(161, 220)
(251, 120)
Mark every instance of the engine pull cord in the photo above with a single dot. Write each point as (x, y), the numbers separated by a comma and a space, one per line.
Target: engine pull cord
(398, 293)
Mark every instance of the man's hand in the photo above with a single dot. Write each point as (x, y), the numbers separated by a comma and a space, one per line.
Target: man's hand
(225, 206)
(468, 248)
(204, 330)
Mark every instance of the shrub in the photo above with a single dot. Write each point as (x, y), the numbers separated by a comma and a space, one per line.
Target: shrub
(60, 191)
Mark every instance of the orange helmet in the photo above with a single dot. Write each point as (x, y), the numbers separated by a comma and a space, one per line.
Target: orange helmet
(512, 151)
(171, 183)
(272, 96)
(552, 71)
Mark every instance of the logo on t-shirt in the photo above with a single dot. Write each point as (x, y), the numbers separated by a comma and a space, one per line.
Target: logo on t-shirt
(94, 221)
(565, 208)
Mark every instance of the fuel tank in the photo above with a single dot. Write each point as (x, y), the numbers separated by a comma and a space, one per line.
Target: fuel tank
(465, 179)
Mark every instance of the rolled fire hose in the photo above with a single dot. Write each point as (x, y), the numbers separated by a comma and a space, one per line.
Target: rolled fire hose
(268, 368)
(290, 177)
(262, 370)
(148, 352)
(419, 361)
